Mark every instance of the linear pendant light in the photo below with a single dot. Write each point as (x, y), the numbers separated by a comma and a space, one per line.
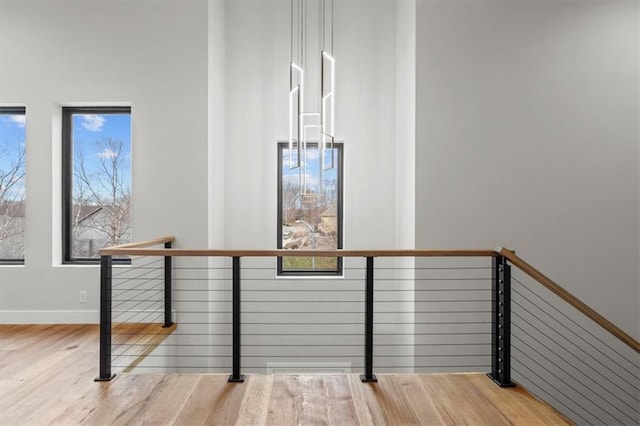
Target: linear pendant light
(308, 123)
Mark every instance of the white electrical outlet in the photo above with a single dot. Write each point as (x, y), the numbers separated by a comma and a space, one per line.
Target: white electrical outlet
(83, 297)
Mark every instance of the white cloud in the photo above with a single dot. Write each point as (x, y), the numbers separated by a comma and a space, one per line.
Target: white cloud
(18, 120)
(93, 122)
(312, 154)
(107, 154)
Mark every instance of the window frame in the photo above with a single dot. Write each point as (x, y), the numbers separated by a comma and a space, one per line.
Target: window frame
(338, 272)
(67, 181)
(16, 110)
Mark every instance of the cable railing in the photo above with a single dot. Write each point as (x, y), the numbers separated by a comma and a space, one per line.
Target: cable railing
(392, 311)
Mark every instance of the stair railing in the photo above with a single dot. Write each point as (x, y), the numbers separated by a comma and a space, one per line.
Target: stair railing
(501, 302)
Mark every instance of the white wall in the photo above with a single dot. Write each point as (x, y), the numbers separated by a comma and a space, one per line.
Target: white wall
(216, 122)
(405, 137)
(152, 56)
(527, 137)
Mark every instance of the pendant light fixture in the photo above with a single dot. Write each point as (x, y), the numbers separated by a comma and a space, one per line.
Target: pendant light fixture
(311, 86)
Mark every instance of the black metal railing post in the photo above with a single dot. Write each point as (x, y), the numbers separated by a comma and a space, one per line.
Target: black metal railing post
(168, 321)
(368, 375)
(106, 262)
(235, 374)
(501, 323)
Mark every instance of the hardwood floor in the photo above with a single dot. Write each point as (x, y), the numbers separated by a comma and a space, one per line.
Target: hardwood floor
(47, 372)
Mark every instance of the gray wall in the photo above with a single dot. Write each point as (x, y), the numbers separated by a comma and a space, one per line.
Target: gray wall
(527, 137)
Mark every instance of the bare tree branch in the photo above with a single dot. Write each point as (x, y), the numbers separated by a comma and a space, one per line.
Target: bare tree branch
(102, 201)
(12, 173)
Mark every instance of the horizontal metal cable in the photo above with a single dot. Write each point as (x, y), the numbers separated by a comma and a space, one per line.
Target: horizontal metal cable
(126, 280)
(360, 334)
(322, 290)
(309, 345)
(155, 293)
(130, 268)
(558, 390)
(574, 322)
(332, 301)
(149, 314)
(121, 291)
(336, 312)
(377, 268)
(201, 268)
(574, 356)
(552, 398)
(314, 367)
(412, 279)
(139, 285)
(151, 356)
(580, 337)
(160, 300)
(531, 348)
(400, 268)
(263, 367)
(362, 312)
(349, 268)
(145, 271)
(176, 367)
(122, 333)
(569, 341)
(334, 323)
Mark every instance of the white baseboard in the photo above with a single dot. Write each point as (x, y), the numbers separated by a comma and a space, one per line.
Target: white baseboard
(49, 317)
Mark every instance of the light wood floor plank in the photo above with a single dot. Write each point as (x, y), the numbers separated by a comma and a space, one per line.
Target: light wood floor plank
(212, 401)
(340, 407)
(369, 412)
(460, 402)
(389, 396)
(255, 405)
(419, 399)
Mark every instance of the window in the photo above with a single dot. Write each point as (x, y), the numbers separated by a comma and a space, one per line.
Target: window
(96, 181)
(12, 174)
(313, 220)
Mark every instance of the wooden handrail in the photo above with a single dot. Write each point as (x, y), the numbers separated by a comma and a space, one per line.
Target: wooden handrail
(126, 251)
(141, 244)
(569, 298)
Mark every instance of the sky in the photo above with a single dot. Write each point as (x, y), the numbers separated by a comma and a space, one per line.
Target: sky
(312, 169)
(12, 142)
(12, 132)
(88, 130)
(91, 128)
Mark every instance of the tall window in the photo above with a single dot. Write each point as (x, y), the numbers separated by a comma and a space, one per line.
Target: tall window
(309, 211)
(96, 180)
(12, 173)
